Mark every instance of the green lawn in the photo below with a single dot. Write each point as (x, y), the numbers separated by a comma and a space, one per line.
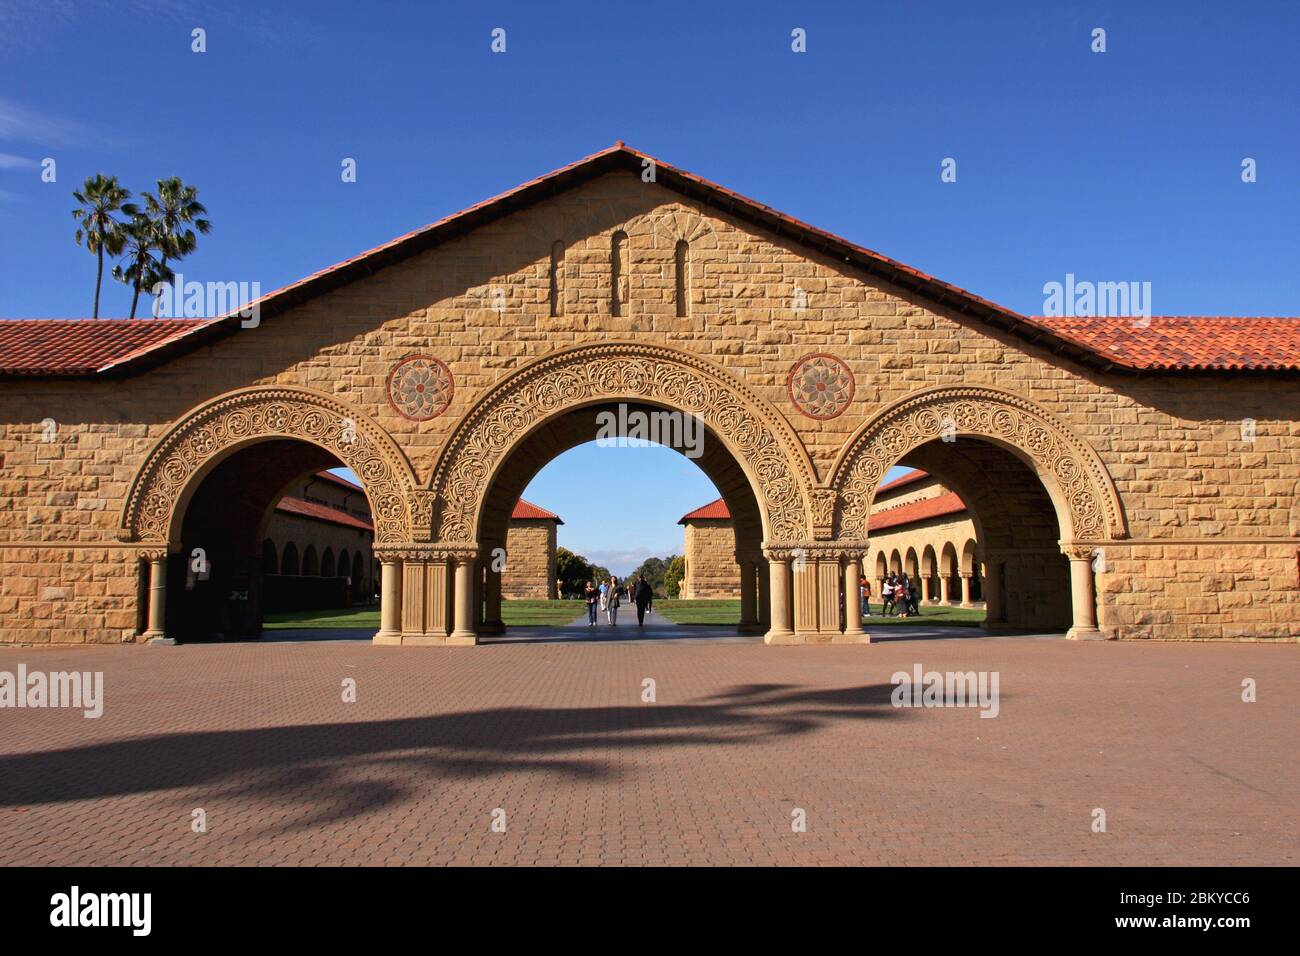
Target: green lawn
(559, 613)
(702, 611)
(357, 617)
(949, 616)
(512, 612)
(535, 612)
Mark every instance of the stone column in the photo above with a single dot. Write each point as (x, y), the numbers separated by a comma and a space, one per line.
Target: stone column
(748, 593)
(156, 633)
(1083, 594)
(853, 632)
(945, 586)
(492, 623)
(464, 632)
(966, 577)
(993, 591)
(780, 631)
(764, 574)
(390, 601)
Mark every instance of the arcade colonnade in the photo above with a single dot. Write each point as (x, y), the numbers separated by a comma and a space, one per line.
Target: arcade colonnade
(437, 586)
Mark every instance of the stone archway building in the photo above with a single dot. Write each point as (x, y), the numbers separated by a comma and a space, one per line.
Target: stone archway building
(446, 367)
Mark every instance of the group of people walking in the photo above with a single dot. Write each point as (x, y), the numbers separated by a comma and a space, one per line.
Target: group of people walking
(611, 594)
(899, 596)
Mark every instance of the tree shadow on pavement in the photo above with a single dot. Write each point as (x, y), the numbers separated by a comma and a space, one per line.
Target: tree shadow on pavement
(346, 769)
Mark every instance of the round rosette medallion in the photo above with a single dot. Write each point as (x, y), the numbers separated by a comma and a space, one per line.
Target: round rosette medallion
(820, 386)
(420, 388)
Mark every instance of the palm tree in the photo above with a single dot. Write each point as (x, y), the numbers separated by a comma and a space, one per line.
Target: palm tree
(144, 242)
(100, 197)
(175, 207)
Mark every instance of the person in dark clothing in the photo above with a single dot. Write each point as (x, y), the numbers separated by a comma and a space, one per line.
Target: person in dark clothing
(613, 598)
(644, 594)
(593, 598)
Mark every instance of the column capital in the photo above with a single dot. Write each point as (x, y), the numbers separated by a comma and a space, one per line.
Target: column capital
(431, 552)
(831, 550)
(1079, 551)
(154, 553)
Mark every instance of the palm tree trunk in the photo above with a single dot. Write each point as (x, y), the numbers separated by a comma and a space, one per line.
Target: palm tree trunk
(99, 278)
(135, 295)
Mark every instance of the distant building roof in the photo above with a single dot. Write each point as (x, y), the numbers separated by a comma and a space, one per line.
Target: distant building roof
(318, 512)
(912, 476)
(339, 480)
(527, 511)
(926, 508)
(714, 510)
(946, 504)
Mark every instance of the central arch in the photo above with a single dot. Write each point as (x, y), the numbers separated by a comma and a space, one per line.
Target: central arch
(760, 440)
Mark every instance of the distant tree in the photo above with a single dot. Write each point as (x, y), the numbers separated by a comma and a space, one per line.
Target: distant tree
(101, 197)
(654, 570)
(673, 575)
(573, 571)
(174, 210)
(143, 264)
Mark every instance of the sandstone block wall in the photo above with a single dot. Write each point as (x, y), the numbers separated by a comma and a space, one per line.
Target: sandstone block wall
(530, 560)
(711, 568)
(1203, 504)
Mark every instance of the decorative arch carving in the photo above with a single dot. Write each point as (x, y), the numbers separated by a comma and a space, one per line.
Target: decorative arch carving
(239, 418)
(763, 443)
(1088, 507)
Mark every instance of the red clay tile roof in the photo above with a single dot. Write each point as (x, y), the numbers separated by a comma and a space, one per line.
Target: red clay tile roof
(339, 480)
(527, 511)
(949, 504)
(80, 347)
(714, 510)
(112, 356)
(914, 475)
(310, 509)
(946, 504)
(1191, 343)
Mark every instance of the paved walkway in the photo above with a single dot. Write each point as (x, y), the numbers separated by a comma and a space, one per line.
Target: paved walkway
(739, 738)
(626, 631)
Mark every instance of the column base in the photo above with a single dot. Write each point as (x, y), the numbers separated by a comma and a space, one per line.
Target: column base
(424, 640)
(387, 637)
(1077, 633)
(158, 638)
(851, 637)
(814, 637)
(780, 637)
(462, 638)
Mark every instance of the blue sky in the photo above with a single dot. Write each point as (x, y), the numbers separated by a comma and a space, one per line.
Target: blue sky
(1123, 165)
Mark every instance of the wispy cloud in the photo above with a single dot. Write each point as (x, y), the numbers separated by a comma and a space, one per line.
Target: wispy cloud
(10, 161)
(24, 22)
(623, 562)
(20, 124)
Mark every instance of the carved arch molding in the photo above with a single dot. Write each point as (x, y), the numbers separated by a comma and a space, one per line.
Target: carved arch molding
(764, 444)
(1085, 490)
(266, 413)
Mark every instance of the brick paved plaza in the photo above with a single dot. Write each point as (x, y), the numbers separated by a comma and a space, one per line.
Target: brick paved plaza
(741, 734)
